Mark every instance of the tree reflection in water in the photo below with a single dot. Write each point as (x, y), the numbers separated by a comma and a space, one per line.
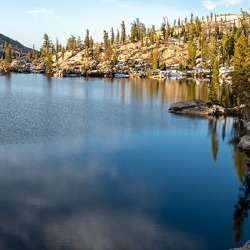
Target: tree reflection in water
(238, 130)
(243, 170)
(241, 208)
(243, 204)
(212, 128)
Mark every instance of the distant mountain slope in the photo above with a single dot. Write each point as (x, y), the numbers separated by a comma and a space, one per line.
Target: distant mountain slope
(17, 45)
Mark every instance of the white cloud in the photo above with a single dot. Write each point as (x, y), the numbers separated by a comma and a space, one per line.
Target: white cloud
(211, 5)
(38, 11)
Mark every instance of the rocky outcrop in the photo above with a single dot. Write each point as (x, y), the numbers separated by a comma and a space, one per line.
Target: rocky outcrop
(244, 143)
(197, 107)
(130, 58)
(245, 247)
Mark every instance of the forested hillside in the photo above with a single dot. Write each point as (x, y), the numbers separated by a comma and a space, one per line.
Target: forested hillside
(200, 45)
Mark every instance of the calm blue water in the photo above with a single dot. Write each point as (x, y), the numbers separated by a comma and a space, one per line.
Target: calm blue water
(100, 164)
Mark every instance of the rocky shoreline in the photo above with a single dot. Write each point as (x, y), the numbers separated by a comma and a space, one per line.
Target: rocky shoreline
(132, 61)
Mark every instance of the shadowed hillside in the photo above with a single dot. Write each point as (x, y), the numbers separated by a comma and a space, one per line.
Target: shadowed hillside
(5, 41)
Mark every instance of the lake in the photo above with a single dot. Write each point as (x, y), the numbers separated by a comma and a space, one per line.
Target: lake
(102, 164)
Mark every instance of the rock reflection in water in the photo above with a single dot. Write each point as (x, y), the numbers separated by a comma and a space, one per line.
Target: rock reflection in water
(242, 167)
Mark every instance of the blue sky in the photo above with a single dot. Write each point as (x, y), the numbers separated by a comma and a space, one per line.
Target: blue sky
(28, 20)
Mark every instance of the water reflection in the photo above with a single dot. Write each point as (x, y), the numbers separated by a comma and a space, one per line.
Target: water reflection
(242, 168)
(152, 89)
(212, 128)
(72, 198)
(94, 164)
(241, 208)
(237, 131)
(243, 204)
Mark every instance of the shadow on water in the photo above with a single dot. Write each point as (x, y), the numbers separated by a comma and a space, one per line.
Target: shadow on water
(241, 208)
(242, 205)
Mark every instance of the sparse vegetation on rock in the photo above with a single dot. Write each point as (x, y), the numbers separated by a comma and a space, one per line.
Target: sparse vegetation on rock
(216, 46)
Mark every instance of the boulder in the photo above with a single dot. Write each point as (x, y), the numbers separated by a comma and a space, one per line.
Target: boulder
(196, 107)
(245, 247)
(244, 143)
(2, 72)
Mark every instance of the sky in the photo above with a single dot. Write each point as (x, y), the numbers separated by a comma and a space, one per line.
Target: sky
(28, 20)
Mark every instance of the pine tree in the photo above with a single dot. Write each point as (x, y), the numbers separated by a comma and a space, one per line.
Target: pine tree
(123, 32)
(8, 54)
(117, 38)
(58, 46)
(213, 48)
(142, 33)
(163, 28)
(191, 53)
(225, 47)
(112, 37)
(71, 43)
(8, 58)
(133, 32)
(86, 40)
(155, 60)
(241, 74)
(79, 43)
(204, 51)
(28, 57)
(91, 42)
(107, 47)
(46, 52)
(214, 85)
(46, 43)
(152, 35)
(106, 39)
(168, 28)
(63, 52)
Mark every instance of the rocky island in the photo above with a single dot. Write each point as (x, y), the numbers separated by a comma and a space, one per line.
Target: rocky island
(198, 107)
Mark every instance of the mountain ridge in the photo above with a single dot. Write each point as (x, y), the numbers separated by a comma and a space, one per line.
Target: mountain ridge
(16, 44)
